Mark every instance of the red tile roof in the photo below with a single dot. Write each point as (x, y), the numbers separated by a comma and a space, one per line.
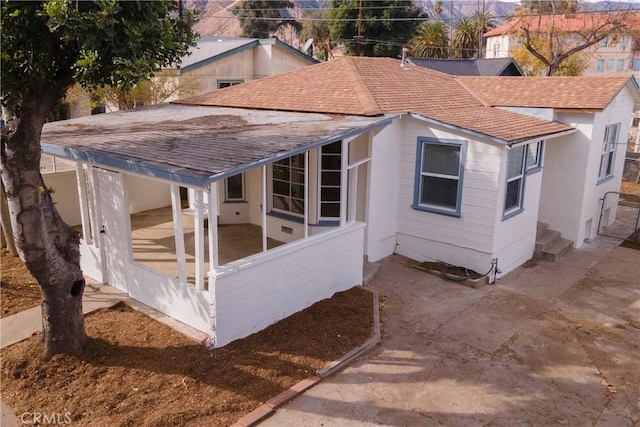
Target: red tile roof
(375, 86)
(572, 23)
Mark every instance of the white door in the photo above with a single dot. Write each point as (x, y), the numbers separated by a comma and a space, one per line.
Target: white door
(114, 227)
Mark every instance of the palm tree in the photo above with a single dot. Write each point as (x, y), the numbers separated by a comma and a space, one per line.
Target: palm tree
(485, 21)
(465, 41)
(431, 41)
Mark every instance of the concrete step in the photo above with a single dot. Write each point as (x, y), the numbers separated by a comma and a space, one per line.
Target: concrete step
(556, 249)
(370, 270)
(541, 227)
(545, 239)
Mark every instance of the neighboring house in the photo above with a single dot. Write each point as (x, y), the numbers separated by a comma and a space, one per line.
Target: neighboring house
(220, 62)
(329, 165)
(612, 56)
(470, 67)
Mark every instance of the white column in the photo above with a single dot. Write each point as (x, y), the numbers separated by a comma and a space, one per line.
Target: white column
(344, 157)
(198, 230)
(94, 214)
(264, 208)
(213, 236)
(306, 194)
(178, 230)
(353, 194)
(213, 226)
(84, 203)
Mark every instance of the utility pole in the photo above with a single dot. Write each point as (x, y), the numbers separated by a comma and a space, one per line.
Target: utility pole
(359, 36)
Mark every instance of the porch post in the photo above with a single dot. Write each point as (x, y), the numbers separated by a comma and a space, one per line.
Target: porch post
(198, 230)
(176, 210)
(84, 203)
(93, 208)
(306, 194)
(353, 194)
(213, 226)
(344, 157)
(264, 208)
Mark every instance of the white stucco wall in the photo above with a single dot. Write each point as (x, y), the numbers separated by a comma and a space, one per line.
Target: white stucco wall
(570, 198)
(145, 193)
(498, 47)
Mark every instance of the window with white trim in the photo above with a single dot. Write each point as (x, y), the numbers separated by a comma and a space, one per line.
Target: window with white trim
(521, 161)
(234, 188)
(330, 178)
(288, 185)
(608, 151)
(439, 174)
(534, 156)
(515, 180)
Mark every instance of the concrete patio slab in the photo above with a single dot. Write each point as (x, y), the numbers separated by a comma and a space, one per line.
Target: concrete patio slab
(563, 350)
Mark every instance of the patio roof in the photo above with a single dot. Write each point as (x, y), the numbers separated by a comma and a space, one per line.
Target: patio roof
(196, 145)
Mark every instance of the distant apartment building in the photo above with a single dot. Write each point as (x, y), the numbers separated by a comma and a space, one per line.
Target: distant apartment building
(615, 55)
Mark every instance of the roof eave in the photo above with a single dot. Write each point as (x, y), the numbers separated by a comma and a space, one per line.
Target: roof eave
(385, 121)
(545, 137)
(469, 132)
(179, 175)
(479, 135)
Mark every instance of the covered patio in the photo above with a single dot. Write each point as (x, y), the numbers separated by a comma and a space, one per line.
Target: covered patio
(225, 219)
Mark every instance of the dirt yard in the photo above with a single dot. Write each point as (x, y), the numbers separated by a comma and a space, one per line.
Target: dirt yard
(136, 371)
(18, 289)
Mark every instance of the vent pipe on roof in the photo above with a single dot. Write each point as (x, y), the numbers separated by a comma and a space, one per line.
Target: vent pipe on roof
(404, 63)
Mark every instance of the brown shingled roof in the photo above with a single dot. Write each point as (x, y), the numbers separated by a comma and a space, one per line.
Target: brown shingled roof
(375, 86)
(574, 93)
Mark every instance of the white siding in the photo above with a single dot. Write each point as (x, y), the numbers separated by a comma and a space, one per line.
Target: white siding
(258, 291)
(515, 237)
(167, 295)
(271, 60)
(468, 240)
(234, 67)
(383, 191)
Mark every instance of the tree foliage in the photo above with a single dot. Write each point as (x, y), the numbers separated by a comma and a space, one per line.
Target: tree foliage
(385, 25)
(164, 85)
(465, 39)
(316, 27)
(553, 38)
(47, 46)
(263, 18)
(431, 41)
(575, 65)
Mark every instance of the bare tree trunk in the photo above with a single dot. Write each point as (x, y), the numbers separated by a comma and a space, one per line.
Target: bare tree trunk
(48, 247)
(5, 223)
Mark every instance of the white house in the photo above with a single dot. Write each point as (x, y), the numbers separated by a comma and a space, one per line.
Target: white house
(219, 62)
(319, 168)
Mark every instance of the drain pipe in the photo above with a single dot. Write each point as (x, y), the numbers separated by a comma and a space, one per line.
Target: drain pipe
(494, 271)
